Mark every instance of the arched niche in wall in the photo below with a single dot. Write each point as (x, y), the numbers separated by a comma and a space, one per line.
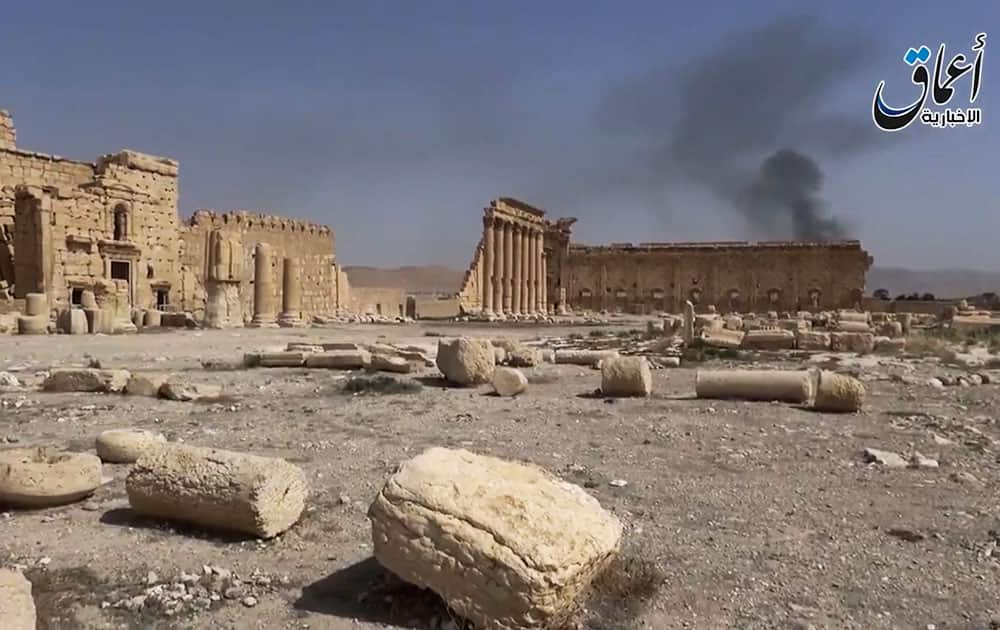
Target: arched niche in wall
(734, 299)
(773, 296)
(120, 222)
(815, 295)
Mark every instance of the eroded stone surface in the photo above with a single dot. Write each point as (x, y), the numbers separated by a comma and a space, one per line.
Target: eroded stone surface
(626, 376)
(509, 381)
(218, 489)
(85, 380)
(17, 607)
(125, 446)
(465, 361)
(43, 477)
(506, 545)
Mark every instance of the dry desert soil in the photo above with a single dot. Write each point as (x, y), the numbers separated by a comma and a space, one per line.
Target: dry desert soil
(736, 514)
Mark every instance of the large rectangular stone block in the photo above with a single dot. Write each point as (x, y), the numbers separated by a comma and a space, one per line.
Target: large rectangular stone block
(506, 545)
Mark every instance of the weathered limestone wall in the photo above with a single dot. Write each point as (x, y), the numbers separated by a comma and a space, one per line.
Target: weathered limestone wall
(732, 276)
(77, 219)
(311, 243)
(513, 273)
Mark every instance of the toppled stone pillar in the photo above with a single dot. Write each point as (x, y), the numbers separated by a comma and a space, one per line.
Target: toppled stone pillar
(838, 393)
(291, 294)
(584, 357)
(506, 545)
(43, 477)
(218, 489)
(793, 386)
(263, 288)
(626, 376)
(17, 607)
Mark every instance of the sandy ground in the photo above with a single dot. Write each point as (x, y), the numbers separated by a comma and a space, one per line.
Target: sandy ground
(754, 515)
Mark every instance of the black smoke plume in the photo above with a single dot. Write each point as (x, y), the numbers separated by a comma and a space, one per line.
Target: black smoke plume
(744, 119)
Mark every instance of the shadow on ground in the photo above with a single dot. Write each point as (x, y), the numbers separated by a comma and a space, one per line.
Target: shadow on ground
(367, 592)
(124, 517)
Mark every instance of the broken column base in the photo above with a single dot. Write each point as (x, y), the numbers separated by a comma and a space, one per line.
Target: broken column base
(255, 323)
(291, 321)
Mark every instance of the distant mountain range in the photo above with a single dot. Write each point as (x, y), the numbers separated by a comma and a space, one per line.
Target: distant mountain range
(943, 283)
(425, 279)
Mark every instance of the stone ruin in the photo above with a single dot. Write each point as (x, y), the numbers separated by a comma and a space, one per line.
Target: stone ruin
(522, 253)
(107, 236)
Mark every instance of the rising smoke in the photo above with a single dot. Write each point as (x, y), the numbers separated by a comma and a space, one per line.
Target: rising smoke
(745, 119)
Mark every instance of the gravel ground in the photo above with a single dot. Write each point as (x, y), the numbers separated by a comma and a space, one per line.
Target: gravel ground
(742, 515)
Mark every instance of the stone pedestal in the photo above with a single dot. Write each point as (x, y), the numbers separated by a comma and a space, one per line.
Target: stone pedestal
(263, 288)
(291, 295)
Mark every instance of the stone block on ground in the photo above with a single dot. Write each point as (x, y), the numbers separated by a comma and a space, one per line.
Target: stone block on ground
(281, 359)
(524, 356)
(769, 339)
(583, 357)
(17, 606)
(217, 489)
(464, 361)
(32, 324)
(385, 363)
(887, 345)
(626, 376)
(506, 545)
(838, 393)
(85, 380)
(125, 446)
(152, 319)
(339, 359)
(858, 342)
(183, 390)
(43, 477)
(722, 338)
(508, 381)
(813, 340)
(145, 384)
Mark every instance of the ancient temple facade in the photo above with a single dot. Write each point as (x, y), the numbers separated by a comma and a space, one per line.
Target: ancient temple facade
(111, 227)
(509, 273)
(655, 277)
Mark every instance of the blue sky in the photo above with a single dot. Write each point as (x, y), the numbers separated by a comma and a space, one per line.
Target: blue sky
(396, 122)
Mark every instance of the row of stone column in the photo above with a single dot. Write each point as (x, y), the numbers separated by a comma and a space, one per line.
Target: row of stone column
(513, 268)
(264, 307)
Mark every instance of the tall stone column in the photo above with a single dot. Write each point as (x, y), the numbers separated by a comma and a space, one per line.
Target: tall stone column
(515, 302)
(525, 269)
(508, 265)
(263, 288)
(291, 294)
(487, 266)
(497, 265)
(537, 262)
(530, 252)
(545, 284)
